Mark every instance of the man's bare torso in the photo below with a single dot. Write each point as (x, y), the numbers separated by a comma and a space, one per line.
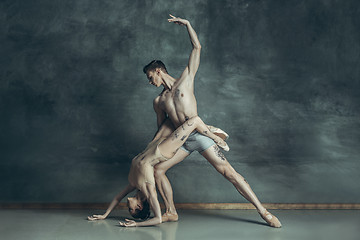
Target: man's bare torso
(179, 102)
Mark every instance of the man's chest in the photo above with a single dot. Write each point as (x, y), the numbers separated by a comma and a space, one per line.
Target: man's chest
(172, 99)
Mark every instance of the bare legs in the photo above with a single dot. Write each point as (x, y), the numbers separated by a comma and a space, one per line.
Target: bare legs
(218, 160)
(164, 186)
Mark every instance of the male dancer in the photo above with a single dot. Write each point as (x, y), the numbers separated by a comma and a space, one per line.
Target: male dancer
(177, 102)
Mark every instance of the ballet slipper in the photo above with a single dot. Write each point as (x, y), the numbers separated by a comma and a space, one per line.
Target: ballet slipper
(222, 144)
(270, 219)
(169, 217)
(217, 131)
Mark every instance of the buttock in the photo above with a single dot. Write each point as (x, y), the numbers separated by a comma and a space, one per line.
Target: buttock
(197, 142)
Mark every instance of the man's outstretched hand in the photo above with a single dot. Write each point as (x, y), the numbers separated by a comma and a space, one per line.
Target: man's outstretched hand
(177, 20)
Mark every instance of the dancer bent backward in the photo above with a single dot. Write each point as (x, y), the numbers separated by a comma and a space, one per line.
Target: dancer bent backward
(141, 175)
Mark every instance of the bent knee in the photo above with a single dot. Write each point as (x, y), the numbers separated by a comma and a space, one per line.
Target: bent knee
(159, 171)
(231, 175)
(223, 169)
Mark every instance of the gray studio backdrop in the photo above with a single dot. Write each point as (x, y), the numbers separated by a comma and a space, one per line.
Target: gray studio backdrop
(281, 77)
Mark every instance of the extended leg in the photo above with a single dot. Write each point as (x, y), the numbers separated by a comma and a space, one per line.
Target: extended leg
(164, 185)
(218, 160)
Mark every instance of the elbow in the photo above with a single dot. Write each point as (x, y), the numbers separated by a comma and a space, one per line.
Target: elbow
(197, 46)
(157, 220)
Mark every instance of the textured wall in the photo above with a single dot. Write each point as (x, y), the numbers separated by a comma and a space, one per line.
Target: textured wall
(281, 77)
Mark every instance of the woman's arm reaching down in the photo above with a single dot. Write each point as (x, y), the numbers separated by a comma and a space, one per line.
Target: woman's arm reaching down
(128, 189)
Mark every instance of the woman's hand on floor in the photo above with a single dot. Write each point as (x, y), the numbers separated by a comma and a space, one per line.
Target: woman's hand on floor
(128, 223)
(96, 217)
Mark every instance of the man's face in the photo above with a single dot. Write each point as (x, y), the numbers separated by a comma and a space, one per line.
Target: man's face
(154, 78)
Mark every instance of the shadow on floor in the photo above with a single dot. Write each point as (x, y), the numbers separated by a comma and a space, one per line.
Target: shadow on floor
(229, 217)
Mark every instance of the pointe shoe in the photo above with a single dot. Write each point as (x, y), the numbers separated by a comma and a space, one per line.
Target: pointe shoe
(169, 217)
(271, 219)
(217, 131)
(223, 145)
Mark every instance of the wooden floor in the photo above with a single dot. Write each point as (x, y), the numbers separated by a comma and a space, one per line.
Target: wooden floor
(193, 224)
(194, 206)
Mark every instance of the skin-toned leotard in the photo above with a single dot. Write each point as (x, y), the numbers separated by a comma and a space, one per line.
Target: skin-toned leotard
(142, 166)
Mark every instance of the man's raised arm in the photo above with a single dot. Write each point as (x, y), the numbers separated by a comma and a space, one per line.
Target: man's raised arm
(194, 59)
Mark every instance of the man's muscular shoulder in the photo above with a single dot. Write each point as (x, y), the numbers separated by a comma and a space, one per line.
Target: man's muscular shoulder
(156, 102)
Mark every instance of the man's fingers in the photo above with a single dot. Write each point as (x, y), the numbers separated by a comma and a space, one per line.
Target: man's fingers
(171, 16)
(176, 21)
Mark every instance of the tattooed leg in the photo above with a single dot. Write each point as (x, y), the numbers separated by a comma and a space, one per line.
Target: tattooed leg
(219, 153)
(218, 160)
(175, 135)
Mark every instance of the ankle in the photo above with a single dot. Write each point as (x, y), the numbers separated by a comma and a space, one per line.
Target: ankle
(262, 210)
(171, 211)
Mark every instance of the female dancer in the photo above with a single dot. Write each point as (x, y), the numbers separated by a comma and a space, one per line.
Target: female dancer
(164, 146)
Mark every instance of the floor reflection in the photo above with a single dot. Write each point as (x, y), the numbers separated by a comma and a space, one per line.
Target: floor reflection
(164, 231)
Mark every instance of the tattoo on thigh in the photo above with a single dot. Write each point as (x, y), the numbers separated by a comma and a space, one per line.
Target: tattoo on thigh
(183, 137)
(205, 132)
(182, 126)
(219, 153)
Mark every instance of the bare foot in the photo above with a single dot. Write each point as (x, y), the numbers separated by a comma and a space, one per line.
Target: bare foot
(270, 219)
(170, 217)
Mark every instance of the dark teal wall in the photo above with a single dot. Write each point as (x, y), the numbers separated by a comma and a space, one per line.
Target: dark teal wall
(281, 77)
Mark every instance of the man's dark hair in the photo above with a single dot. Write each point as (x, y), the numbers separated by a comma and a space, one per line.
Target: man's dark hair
(154, 64)
(144, 213)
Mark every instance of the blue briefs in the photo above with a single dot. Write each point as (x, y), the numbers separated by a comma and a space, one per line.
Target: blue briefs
(197, 142)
